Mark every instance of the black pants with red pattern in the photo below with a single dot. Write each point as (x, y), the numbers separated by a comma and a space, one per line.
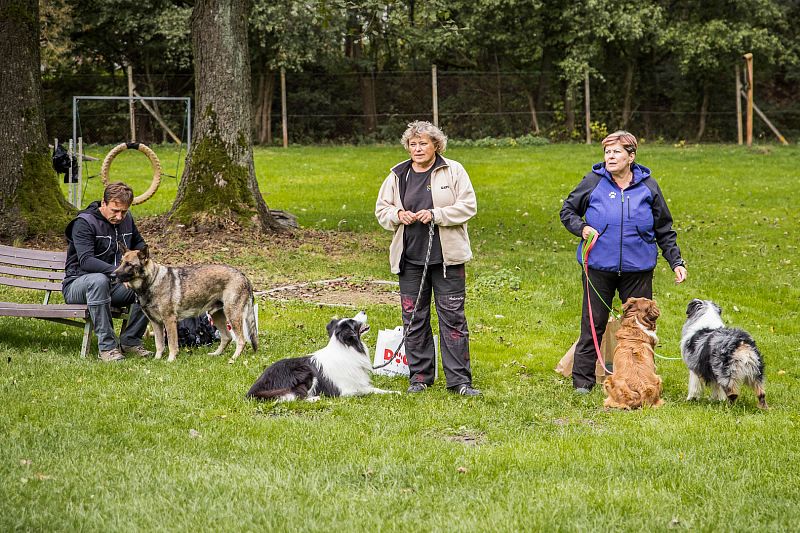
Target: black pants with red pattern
(449, 294)
(628, 284)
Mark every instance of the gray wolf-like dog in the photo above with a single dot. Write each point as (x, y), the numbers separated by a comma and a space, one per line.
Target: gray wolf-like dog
(168, 294)
(724, 358)
(342, 368)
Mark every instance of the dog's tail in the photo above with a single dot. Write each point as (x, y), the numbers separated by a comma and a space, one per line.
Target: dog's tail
(249, 324)
(268, 394)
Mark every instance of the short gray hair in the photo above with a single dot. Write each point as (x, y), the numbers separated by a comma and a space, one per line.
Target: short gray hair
(423, 127)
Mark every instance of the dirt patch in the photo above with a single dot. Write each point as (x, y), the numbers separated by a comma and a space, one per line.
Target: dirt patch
(467, 437)
(338, 292)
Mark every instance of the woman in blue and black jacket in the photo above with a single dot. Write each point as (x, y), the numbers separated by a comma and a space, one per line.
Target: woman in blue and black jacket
(623, 204)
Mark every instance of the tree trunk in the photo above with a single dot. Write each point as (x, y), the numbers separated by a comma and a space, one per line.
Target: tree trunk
(569, 112)
(219, 181)
(534, 120)
(369, 106)
(703, 111)
(628, 96)
(266, 88)
(31, 202)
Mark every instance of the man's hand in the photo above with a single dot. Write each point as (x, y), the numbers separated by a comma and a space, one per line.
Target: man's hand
(406, 217)
(680, 274)
(587, 232)
(424, 216)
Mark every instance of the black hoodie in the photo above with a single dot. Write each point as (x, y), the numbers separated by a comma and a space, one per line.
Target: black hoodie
(94, 243)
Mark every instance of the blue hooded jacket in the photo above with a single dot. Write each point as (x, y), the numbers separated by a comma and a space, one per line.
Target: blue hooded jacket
(632, 223)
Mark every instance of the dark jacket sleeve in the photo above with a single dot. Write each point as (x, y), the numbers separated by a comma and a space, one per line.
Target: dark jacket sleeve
(577, 203)
(137, 241)
(666, 237)
(83, 239)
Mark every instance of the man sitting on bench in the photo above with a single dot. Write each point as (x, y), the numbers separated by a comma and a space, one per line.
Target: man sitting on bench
(94, 253)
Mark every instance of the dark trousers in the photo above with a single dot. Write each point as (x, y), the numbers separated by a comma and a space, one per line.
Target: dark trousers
(628, 284)
(97, 291)
(449, 294)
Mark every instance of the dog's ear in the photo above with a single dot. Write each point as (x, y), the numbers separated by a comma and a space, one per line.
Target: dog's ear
(143, 253)
(629, 305)
(693, 306)
(331, 327)
(653, 312)
(718, 308)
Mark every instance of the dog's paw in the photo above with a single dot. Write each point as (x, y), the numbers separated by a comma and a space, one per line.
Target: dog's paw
(231, 361)
(312, 399)
(158, 355)
(171, 358)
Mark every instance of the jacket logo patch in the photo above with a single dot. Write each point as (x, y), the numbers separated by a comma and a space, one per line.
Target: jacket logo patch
(612, 195)
(429, 187)
(445, 187)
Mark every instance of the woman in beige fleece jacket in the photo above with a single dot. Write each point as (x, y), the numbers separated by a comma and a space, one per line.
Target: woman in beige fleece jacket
(429, 189)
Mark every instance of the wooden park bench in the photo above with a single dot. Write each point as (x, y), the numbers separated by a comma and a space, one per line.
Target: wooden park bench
(23, 268)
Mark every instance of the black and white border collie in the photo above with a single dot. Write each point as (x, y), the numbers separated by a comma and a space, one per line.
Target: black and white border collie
(342, 368)
(723, 358)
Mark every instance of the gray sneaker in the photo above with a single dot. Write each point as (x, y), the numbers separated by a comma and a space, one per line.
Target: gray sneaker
(466, 390)
(112, 355)
(137, 349)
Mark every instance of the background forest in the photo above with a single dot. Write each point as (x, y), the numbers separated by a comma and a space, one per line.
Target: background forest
(358, 71)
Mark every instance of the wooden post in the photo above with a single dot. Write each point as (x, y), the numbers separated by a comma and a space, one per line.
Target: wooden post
(587, 106)
(748, 59)
(79, 190)
(284, 120)
(738, 107)
(131, 108)
(435, 89)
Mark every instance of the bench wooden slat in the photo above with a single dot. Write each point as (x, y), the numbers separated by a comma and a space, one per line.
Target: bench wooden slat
(44, 311)
(31, 273)
(30, 284)
(30, 262)
(41, 255)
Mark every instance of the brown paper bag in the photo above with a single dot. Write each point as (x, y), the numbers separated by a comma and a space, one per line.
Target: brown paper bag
(564, 367)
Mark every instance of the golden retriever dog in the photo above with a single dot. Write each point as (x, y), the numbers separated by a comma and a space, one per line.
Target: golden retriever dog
(634, 382)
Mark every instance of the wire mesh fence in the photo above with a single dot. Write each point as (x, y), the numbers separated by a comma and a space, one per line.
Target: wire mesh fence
(363, 107)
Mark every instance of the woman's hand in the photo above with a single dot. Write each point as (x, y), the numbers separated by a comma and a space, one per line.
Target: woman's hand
(680, 274)
(406, 217)
(424, 216)
(587, 232)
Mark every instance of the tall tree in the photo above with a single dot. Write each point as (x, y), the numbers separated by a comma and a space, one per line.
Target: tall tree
(219, 180)
(31, 202)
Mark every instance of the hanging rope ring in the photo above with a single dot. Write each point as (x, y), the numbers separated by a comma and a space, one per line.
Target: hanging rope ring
(151, 155)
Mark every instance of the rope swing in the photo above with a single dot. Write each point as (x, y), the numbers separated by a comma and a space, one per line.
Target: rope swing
(151, 155)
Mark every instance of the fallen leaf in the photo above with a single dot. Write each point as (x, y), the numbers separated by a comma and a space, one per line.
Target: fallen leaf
(781, 372)
(25, 462)
(193, 433)
(461, 470)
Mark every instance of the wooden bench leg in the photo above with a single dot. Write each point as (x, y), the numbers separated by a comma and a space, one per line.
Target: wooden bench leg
(87, 335)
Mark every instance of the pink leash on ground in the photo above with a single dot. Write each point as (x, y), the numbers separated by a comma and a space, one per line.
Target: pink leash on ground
(587, 247)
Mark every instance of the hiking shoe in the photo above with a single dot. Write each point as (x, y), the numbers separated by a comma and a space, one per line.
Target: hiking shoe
(136, 349)
(582, 390)
(416, 387)
(111, 355)
(466, 390)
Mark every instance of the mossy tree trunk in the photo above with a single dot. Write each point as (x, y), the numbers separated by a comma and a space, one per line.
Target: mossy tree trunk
(219, 181)
(31, 202)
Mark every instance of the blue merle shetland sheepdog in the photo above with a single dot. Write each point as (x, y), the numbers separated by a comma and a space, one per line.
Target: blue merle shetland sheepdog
(723, 358)
(342, 368)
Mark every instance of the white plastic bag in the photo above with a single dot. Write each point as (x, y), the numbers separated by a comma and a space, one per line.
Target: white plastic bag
(385, 347)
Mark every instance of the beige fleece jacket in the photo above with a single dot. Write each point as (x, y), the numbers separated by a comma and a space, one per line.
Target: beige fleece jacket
(454, 203)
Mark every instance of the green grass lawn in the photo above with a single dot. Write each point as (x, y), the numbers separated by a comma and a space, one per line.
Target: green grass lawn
(147, 445)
